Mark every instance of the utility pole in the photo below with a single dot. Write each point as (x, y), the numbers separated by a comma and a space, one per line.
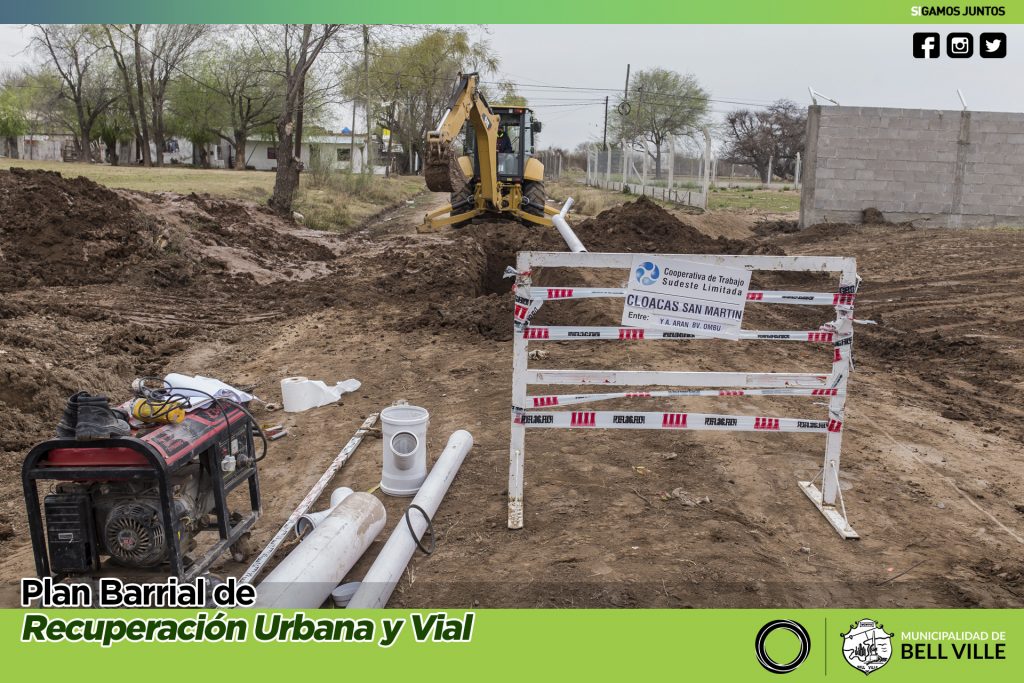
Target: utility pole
(604, 138)
(625, 93)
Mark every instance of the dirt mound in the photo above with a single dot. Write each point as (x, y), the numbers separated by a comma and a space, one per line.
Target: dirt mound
(62, 231)
(459, 282)
(72, 231)
(101, 286)
(251, 228)
(872, 216)
(776, 227)
(643, 226)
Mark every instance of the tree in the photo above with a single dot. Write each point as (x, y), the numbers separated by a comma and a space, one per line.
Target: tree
(661, 104)
(163, 49)
(85, 78)
(298, 47)
(249, 86)
(140, 91)
(769, 137)
(13, 121)
(129, 67)
(44, 108)
(197, 114)
(508, 95)
(112, 127)
(411, 82)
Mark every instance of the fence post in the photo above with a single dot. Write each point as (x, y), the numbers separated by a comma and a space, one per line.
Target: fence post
(705, 185)
(671, 161)
(608, 168)
(643, 166)
(625, 168)
(796, 174)
(771, 159)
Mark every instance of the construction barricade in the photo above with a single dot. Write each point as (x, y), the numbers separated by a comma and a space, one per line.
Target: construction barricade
(543, 411)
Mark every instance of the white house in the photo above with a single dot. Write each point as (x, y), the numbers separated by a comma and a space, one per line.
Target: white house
(261, 152)
(44, 146)
(177, 151)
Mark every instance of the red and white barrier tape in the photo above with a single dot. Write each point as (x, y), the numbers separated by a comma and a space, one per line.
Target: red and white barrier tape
(767, 296)
(607, 419)
(637, 378)
(576, 399)
(535, 332)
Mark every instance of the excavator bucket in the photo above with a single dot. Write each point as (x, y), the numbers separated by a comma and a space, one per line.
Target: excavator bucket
(441, 169)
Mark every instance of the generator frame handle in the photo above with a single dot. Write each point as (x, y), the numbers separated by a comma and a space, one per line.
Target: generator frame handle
(158, 470)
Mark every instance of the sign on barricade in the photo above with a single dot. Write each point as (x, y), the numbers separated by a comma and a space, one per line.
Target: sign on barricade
(685, 296)
(682, 297)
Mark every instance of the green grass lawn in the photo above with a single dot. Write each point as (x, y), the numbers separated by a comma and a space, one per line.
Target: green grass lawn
(774, 201)
(591, 200)
(341, 203)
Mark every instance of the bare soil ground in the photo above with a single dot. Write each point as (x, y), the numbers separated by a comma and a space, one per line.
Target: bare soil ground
(99, 287)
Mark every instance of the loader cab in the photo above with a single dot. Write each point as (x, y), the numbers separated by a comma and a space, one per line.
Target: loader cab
(516, 142)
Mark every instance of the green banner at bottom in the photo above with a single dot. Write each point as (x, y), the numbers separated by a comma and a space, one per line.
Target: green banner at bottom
(733, 645)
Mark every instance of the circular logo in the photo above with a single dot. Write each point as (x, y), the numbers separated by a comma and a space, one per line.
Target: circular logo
(794, 627)
(647, 273)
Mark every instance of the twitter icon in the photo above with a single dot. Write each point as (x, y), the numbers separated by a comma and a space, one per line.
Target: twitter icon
(993, 45)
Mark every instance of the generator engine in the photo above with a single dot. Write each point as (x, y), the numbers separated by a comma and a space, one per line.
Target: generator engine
(143, 501)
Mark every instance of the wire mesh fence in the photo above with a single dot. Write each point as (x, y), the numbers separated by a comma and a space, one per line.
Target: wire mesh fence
(654, 173)
(666, 174)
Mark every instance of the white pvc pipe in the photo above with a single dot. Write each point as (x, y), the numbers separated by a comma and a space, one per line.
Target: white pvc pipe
(306, 577)
(380, 581)
(314, 493)
(565, 231)
(311, 520)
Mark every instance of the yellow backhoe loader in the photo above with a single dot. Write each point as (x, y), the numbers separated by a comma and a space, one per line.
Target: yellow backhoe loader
(496, 173)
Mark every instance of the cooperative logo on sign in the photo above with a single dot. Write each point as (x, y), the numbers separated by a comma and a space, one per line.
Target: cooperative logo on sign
(866, 646)
(647, 273)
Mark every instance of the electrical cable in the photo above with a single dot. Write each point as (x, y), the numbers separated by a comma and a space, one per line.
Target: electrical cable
(166, 394)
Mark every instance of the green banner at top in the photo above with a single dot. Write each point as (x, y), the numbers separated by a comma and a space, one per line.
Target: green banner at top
(519, 12)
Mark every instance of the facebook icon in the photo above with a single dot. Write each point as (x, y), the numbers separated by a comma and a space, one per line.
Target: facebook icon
(926, 45)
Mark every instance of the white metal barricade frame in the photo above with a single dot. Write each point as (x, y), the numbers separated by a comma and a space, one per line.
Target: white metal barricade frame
(535, 411)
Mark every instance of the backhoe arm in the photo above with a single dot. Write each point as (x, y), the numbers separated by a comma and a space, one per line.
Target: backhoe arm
(441, 171)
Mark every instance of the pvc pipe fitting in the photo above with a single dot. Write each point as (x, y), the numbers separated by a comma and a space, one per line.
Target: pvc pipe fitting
(306, 577)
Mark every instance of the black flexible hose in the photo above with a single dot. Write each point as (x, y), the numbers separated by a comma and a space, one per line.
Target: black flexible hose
(429, 529)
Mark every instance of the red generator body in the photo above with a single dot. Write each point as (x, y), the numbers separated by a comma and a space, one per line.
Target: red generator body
(143, 501)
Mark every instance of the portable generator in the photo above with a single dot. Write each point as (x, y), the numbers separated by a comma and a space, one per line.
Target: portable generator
(144, 501)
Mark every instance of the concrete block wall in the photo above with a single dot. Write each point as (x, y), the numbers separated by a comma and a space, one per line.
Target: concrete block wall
(939, 168)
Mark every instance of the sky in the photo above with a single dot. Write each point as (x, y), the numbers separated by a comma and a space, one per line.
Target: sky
(865, 65)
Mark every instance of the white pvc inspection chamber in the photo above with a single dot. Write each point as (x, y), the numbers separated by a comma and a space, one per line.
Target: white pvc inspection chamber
(404, 436)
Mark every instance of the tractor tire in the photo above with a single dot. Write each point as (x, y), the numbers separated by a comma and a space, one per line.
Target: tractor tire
(462, 202)
(533, 190)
